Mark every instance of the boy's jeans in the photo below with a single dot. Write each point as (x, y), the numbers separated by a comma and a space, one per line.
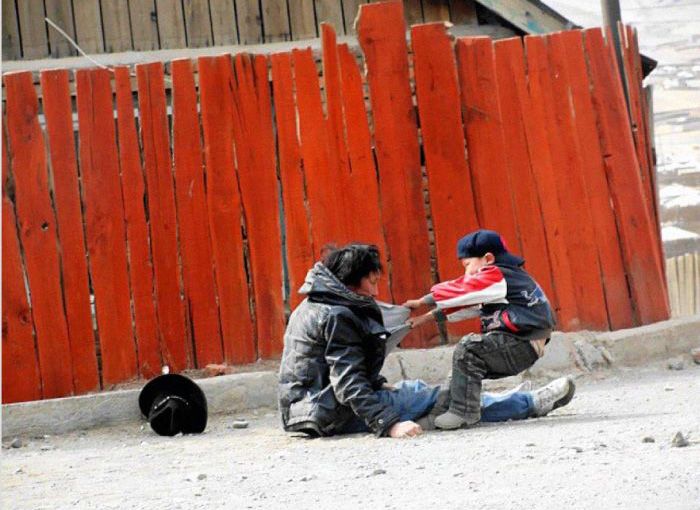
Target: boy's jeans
(490, 356)
(413, 399)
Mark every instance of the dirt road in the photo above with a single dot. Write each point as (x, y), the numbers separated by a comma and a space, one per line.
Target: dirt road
(591, 454)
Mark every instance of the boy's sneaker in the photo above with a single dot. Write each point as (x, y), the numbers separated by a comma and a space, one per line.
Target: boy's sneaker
(556, 394)
(451, 421)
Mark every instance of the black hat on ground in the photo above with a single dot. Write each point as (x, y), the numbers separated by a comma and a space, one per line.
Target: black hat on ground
(174, 403)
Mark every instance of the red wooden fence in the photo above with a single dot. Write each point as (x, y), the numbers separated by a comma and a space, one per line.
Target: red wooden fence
(177, 231)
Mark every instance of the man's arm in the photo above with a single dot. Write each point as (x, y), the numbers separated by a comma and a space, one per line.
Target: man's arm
(346, 358)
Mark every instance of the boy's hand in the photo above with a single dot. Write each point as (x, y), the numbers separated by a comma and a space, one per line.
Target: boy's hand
(404, 429)
(414, 322)
(413, 304)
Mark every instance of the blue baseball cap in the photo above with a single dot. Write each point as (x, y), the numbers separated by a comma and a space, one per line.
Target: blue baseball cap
(481, 242)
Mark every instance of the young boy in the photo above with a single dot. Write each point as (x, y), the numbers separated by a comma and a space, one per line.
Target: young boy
(516, 323)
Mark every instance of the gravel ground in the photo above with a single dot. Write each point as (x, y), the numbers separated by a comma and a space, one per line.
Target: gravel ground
(590, 454)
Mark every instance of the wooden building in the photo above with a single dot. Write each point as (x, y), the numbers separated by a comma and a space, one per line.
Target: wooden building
(115, 26)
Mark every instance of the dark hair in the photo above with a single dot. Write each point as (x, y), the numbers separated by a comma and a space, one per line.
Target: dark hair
(353, 262)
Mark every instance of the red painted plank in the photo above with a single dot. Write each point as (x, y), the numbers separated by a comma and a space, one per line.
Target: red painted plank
(636, 229)
(485, 143)
(224, 207)
(195, 240)
(59, 127)
(574, 203)
(322, 188)
(642, 136)
(363, 174)
(299, 251)
(512, 87)
(257, 174)
(37, 230)
(544, 173)
(381, 32)
(337, 150)
(163, 221)
(104, 225)
(139, 253)
(607, 240)
(21, 380)
(449, 181)
(437, 91)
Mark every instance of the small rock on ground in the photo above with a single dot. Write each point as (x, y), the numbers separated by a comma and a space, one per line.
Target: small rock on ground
(679, 440)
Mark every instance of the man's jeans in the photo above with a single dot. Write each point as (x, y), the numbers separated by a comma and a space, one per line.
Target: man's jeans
(413, 399)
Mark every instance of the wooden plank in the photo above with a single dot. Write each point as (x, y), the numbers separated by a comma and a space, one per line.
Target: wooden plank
(249, 22)
(37, 232)
(11, 47)
(574, 203)
(530, 17)
(162, 215)
(61, 13)
(88, 25)
(171, 24)
(689, 279)
(618, 150)
(116, 26)
(413, 11)
(140, 262)
(646, 140)
(449, 183)
(32, 26)
(382, 36)
(634, 93)
(329, 11)
(363, 176)
(485, 143)
(512, 88)
(437, 92)
(299, 251)
(56, 99)
(436, 10)
(198, 23)
(224, 206)
(607, 240)
(673, 290)
(257, 175)
(21, 380)
(696, 262)
(682, 286)
(544, 173)
(463, 12)
(275, 19)
(302, 19)
(338, 164)
(144, 25)
(351, 9)
(104, 225)
(321, 191)
(198, 272)
(223, 22)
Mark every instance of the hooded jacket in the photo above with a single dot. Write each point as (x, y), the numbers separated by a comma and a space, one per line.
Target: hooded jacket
(506, 298)
(334, 348)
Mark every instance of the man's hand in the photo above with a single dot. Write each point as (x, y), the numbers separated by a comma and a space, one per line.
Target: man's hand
(405, 429)
(414, 322)
(413, 304)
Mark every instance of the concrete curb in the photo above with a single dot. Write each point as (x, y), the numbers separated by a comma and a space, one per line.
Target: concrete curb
(567, 353)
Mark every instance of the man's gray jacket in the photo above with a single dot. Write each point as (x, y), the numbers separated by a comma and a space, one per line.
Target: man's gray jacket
(334, 348)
